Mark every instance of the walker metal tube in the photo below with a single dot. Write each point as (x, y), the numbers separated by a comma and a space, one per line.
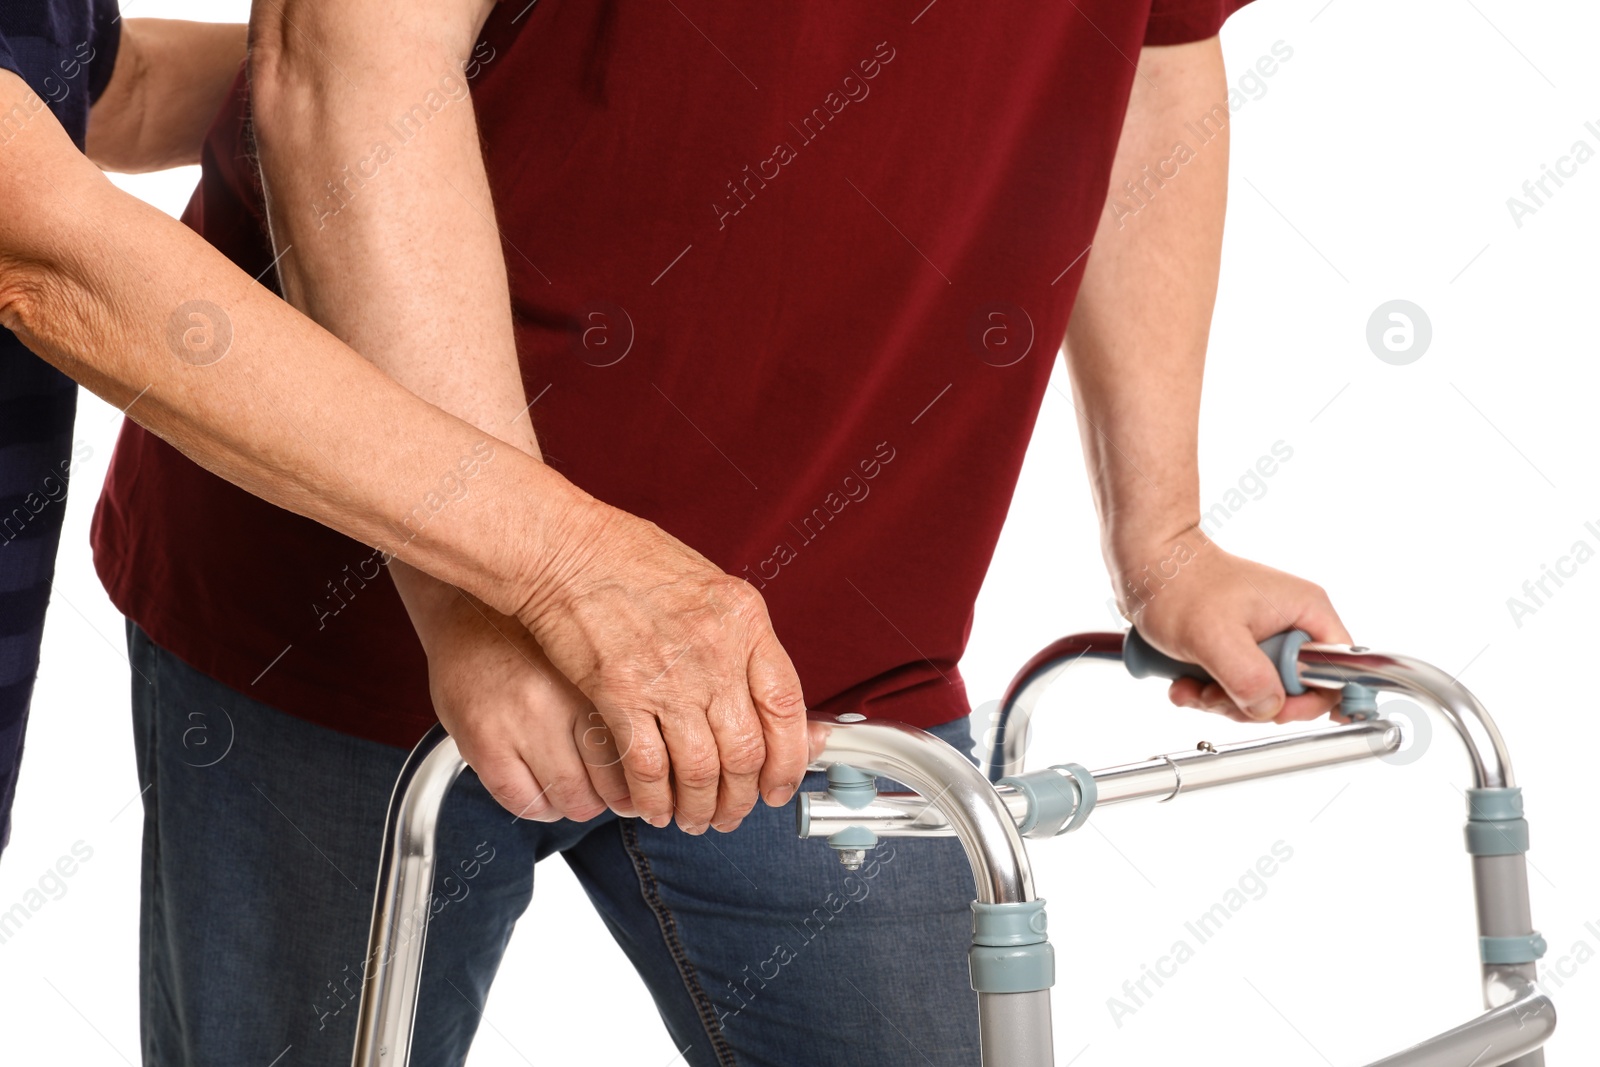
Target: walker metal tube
(1510, 1033)
(1499, 883)
(1014, 1028)
(1333, 666)
(936, 770)
(401, 903)
(909, 815)
(1009, 738)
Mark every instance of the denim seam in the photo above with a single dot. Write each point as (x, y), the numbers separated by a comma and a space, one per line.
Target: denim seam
(151, 839)
(651, 892)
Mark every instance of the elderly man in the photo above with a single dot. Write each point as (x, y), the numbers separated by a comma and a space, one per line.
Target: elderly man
(784, 289)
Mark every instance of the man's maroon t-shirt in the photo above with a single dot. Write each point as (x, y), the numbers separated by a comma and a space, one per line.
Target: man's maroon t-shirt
(788, 285)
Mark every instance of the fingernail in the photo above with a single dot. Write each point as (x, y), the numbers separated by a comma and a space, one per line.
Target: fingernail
(780, 796)
(726, 827)
(1263, 709)
(658, 821)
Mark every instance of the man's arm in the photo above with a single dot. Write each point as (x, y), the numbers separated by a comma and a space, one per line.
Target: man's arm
(380, 207)
(170, 79)
(1136, 351)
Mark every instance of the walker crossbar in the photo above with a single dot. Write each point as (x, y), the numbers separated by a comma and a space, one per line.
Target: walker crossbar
(992, 810)
(1162, 777)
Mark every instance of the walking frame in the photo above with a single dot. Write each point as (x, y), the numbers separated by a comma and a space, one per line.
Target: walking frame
(991, 810)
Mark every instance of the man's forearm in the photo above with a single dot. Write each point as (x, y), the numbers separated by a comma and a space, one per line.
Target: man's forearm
(1136, 343)
(378, 198)
(380, 207)
(145, 313)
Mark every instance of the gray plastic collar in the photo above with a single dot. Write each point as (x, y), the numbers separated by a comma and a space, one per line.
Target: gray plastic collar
(1525, 949)
(1011, 952)
(1494, 805)
(1495, 826)
(1506, 838)
(1059, 798)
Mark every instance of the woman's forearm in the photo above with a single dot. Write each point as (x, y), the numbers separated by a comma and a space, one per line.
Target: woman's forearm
(170, 79)
(147, 315)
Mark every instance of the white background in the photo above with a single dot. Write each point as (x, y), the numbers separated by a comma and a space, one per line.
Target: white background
(1376, 165)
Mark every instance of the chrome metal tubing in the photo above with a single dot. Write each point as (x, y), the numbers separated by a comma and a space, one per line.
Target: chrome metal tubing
(1009, 738)
(1014, 1029)
(1512, 1032)
(1499, 884)
(401, 905)
(1010, 1030)
(1333, 666)
(909, 815)
(1326, 666)
(933, 768)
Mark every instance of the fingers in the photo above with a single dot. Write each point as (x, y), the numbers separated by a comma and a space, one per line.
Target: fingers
(781, 706)
(742, 749)
(565, 777)
(645, 765)
(681, 657)
(696, 770)
(1317, 618)
(1245, 674)
(1323, 623)
(601, 753)
(1248, 686)
(507, 778)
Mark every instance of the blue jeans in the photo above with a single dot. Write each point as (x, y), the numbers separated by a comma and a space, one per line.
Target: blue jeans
(261, 842)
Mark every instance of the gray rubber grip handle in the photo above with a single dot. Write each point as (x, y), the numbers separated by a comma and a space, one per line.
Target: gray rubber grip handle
(1143, 661)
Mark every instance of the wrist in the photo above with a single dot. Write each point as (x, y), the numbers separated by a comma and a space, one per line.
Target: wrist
(567, 523)
(1140, 565)
(1130, 543)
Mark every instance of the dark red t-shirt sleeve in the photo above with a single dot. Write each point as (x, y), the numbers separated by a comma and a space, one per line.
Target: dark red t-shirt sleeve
(1182, 21)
